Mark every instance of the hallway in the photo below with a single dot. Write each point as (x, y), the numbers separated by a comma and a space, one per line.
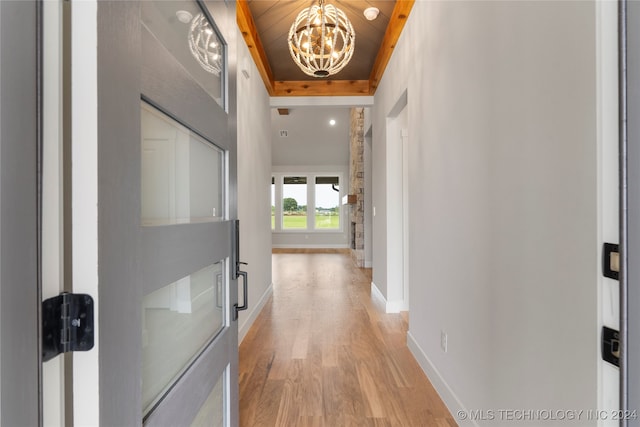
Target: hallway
(321, 353)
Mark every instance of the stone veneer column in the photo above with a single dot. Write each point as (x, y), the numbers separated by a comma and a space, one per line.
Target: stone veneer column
(356, 184)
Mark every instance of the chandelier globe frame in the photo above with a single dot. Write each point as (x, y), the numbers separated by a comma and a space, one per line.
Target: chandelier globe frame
(321, 40)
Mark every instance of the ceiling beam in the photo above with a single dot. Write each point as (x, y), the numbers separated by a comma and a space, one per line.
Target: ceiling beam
(320, 101)
(398, 18)
(249, 31)
(321, 88)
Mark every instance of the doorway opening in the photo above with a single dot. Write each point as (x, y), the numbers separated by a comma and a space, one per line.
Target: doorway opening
(398, 207)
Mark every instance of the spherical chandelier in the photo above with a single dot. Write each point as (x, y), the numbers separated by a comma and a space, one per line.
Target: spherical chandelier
(321, 40)
(204, 45)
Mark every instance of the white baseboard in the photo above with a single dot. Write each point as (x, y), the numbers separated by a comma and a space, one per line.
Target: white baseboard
(445, 392)
(389, 306)
(368, 264)
(253, 314)
(301, 246)
(396, 306)
(377, 295)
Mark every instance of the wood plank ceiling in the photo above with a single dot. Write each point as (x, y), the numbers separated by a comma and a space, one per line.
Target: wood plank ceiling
(265, 25)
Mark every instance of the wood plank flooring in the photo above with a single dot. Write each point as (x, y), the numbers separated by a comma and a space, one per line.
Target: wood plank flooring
(321, 353)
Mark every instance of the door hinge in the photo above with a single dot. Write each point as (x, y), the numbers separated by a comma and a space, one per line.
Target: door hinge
(67, 324)
(610, 345)
(611, 261)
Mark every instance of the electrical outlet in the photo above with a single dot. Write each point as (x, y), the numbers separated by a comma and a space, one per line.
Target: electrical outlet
(443, 341)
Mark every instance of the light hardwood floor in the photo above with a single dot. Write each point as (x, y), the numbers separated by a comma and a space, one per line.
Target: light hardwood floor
(321, 353)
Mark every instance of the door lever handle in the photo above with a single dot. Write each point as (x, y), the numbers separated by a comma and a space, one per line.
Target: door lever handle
(245, 291)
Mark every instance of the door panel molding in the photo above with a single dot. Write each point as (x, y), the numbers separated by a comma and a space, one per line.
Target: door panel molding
(160, 67)
(120, 308)
(165, 255)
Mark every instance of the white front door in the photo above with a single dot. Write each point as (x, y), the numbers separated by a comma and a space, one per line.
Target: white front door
(153, 203)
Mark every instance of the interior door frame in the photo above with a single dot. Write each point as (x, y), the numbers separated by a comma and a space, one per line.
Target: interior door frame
(20, 159)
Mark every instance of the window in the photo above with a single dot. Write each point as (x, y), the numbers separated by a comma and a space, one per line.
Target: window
(327, 202)
(307, 202)
(294, 202)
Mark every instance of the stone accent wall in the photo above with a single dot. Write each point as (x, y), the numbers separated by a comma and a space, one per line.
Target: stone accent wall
(356, 185)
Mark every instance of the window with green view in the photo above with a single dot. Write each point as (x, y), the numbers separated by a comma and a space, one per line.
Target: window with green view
(327, 203)
(294, 202)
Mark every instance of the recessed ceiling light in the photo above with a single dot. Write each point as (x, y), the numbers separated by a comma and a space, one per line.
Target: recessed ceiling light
(371, 13)
(184, 16)
(332, 122)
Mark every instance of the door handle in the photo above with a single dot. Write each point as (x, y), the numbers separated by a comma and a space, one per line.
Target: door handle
(245, 291)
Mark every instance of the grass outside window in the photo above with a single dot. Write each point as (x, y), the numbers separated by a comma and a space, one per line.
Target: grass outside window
(300, 221)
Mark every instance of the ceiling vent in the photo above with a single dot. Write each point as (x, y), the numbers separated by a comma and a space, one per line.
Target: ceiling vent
(284, 133)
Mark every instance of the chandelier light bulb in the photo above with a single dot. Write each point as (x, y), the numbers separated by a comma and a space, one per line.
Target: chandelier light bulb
(321, 40)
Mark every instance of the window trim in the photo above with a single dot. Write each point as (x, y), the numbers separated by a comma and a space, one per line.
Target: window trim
(277, 179)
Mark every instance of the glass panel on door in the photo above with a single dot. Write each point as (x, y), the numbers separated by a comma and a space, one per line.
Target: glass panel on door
(211, 414)
(179, 321)
(186, 31)
(182, 173)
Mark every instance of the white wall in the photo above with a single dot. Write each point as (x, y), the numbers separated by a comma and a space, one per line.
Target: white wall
(503, 200)
(310, 139)
(254, 185)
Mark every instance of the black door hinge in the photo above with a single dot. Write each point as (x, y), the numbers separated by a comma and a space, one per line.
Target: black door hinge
(67, 324)
(611, 261)
(610, 345)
